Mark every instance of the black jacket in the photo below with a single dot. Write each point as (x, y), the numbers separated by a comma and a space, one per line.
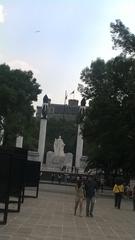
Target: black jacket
(90, 188)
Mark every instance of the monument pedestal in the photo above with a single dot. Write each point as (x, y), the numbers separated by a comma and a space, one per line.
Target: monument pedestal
(19, 141)
(58, 163)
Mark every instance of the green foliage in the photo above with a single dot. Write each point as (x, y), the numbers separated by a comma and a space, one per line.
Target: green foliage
(18, 89)
(31, 134)
(109, 123)
(122, 37)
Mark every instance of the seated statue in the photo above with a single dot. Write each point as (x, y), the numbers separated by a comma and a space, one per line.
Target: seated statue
(59, 147)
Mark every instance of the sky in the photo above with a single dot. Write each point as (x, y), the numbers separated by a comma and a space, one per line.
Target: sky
(57, 39)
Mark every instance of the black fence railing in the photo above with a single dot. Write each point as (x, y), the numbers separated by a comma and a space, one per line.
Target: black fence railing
(16, 173)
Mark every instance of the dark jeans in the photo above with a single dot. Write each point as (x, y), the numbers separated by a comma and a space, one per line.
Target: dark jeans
(90, 205)
(134, 204)
(118, 197)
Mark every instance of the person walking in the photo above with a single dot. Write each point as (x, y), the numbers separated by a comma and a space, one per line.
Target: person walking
(118, 190)
(128, 191)
(102, 185)
(133, 197)
(59, 178)
(52, 177)
(90, 191)
(79, 196)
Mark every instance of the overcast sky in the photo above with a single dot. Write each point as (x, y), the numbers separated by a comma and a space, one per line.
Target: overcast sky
(56, 39)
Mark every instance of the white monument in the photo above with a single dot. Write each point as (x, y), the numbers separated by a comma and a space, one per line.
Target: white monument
(19, 141)
(58, 160)
(59, 147)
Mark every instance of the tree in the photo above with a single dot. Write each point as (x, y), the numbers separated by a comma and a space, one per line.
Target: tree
(31, 134)
(108, 127)
(122, 37)
(18, 90)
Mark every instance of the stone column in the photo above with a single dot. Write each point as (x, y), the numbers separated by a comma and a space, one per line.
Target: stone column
(42, 138)
(19, 141)
(43, 125)
(79, 148)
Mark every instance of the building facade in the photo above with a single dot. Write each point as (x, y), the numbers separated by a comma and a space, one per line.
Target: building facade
(68, 111)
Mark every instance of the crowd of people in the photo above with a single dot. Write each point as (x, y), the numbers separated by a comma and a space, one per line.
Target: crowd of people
(86, 190)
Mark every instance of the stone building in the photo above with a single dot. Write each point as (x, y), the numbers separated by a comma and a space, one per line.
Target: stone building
(68, 111)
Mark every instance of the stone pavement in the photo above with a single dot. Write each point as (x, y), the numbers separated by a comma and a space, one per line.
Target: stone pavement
(50, 217)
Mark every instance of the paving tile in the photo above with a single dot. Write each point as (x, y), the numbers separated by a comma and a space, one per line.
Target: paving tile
(2, 237)
(50, 217)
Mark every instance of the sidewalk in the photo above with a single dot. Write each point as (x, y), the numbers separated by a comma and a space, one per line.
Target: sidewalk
(50, 217)
(105, 193)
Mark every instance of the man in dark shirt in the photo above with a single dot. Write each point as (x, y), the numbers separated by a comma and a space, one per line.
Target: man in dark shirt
(90, 190)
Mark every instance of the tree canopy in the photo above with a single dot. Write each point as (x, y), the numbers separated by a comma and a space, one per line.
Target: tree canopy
(18, 90)
(122, 37)
(108, 127)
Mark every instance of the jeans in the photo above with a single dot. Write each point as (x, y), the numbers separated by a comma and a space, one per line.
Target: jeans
(90, 201)
(118, 197)
(133, 203)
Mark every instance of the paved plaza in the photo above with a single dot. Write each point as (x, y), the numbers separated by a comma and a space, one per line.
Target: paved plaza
(50, 217)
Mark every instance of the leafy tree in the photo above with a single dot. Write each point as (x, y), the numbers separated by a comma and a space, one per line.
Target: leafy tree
(31, 134)
(108, 127)
(18, 90)
(122, 37)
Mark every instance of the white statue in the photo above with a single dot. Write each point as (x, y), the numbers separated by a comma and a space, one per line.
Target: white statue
(59, 147)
